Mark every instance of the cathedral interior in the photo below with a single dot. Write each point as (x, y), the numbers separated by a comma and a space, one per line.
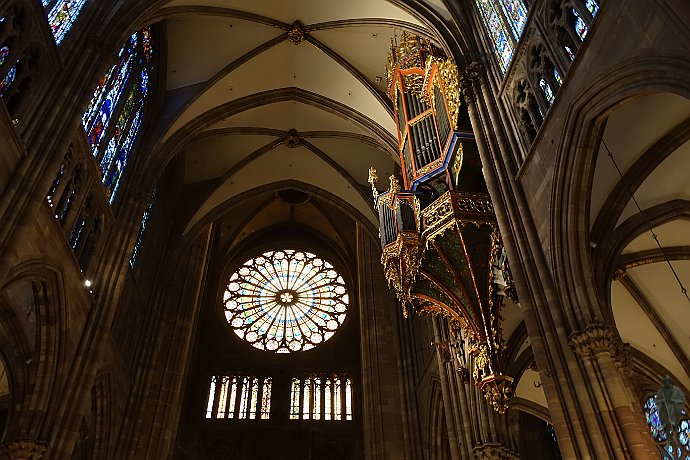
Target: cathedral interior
(333, 230)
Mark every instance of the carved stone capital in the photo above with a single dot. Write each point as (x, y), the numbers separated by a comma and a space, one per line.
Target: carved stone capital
(24, 449)
(494, 452)
(467, 78)
(595, 339)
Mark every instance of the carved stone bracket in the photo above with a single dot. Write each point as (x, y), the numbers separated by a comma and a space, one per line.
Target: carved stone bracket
(596, 339)
(25, 449)
(494, 452)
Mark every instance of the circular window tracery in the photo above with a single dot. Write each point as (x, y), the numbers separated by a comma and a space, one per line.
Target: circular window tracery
(285, 301)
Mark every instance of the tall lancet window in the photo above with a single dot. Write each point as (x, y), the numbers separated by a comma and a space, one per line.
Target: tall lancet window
(142, 229)
(504, 21)
(61, 16)
(113, 117)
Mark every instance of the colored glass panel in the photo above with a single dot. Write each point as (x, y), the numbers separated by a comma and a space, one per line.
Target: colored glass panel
(211, 398)
(316, 411)
(348, 400)
(516, 13)
(569, 52)
(233, 398)
(140, 234)
(580, 25)
(337, 400)
(266, 399)
(112, 120)
(500, 38)
(255, 397)
(557, 77)
(294, 399)
(62, 15)
(546, 89)
(306, 395)
(286, 301)
(222, 399)
(11, 74)
(328, 400)
(117, 167)
(592, 6)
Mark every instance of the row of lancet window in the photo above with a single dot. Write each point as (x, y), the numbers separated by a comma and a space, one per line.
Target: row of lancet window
(321, 398)
(249, 398)
(239, 397)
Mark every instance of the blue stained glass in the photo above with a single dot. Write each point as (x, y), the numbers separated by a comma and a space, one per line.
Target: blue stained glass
(580, 25)
(62, 15)
(592, 7)
(7, 81)
(503, 46)
(112, 180)
(112, 121)
(547, 91)
(11, 74)
(569, 52)
(557, 76)
(516, 13)
(112, 97)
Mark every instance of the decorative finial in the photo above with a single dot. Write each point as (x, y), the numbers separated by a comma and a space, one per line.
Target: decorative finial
(373, 178)
(395, 185)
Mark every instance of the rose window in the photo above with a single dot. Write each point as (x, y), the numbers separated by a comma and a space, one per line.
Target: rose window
(286, 301)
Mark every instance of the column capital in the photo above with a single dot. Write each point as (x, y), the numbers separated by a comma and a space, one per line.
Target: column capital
(24, 449)
(596, 339)
(494, 451)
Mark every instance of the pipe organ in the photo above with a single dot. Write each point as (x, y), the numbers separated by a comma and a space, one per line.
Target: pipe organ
(441, 249)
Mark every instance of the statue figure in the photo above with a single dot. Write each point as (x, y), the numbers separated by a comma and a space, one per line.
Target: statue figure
(670, 401)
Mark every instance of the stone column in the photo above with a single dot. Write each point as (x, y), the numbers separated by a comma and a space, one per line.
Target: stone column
(384, 434)
(591, 409)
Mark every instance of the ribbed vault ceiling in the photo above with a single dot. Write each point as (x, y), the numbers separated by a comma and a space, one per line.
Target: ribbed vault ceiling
(245, 80)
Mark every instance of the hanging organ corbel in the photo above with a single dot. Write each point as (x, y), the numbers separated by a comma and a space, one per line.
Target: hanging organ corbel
(441, 250)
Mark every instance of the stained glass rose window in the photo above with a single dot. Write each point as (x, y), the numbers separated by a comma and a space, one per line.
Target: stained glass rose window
(285, 301)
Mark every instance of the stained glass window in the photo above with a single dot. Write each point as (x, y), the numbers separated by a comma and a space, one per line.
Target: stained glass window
(61, 16)
(548, 94)
(6, 82)
(651, 412)
(114, 115)
(142, 229)
(557, 76)
(241, 397)
(515, 12)
(504, 21)
(592, 6)
(580, 25)
(321, 398)
(569, 52)
(286, 301)
(266, 399)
